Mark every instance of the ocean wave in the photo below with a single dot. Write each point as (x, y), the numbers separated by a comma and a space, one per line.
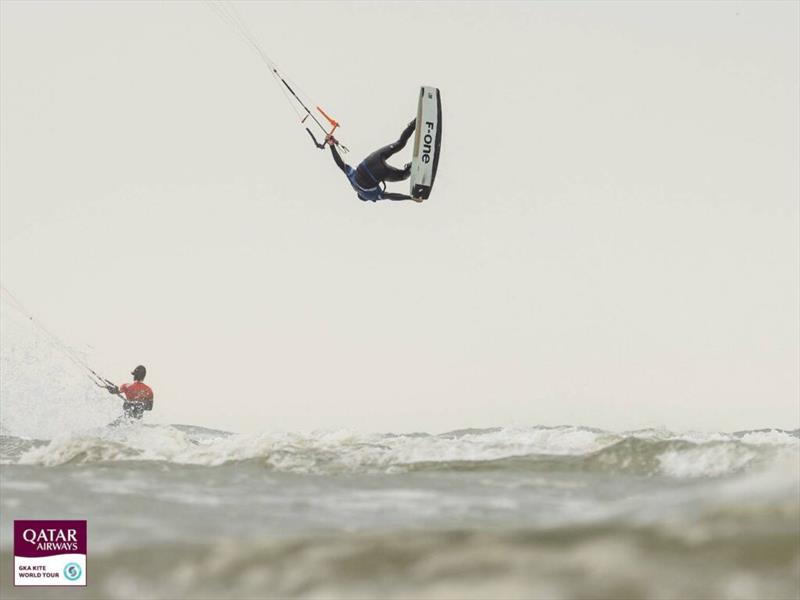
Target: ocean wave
(12, 448)
(675, 458)
(577, 562)
(565, 448)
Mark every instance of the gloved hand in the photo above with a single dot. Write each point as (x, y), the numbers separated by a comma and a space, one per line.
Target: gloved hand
(112, 389)
(331, 140)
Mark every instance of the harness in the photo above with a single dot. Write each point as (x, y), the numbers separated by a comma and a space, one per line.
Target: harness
(372, 194)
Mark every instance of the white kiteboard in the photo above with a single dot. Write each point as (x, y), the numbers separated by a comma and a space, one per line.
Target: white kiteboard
(427, 142)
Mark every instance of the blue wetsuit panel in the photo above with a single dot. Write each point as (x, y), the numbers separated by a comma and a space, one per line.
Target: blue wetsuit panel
(372, 194)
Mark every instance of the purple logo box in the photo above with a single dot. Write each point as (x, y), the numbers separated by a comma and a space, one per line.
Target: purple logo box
(34, 539)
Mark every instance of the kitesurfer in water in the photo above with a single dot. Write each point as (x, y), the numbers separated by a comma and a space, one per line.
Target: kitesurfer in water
(138, 397)
(370, 176)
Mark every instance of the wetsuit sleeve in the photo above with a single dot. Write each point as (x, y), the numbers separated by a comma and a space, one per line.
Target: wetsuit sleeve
(395, 196)
(338, 159)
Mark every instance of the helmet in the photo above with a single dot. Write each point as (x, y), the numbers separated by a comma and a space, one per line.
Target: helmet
(139, 373)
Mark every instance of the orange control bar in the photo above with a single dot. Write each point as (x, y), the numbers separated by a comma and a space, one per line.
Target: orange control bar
(330, 120)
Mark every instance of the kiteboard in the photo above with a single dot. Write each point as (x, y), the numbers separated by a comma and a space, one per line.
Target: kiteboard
(427, 142)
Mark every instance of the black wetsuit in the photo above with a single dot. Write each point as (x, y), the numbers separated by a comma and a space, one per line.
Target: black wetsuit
(374, 171)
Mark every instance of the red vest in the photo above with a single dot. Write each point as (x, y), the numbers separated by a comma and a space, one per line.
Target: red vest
(138, 392)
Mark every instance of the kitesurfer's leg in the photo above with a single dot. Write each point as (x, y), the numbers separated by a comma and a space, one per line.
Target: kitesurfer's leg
(375, 163)
(389, 172)
(379, 171)
(381, 154)
(392, 174)
(395, 147)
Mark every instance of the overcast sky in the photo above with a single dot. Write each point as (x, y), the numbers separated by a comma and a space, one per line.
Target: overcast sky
(612, 239)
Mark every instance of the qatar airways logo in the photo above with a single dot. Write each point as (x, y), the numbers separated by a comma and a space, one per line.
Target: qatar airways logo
(61, 540)
(50, 553)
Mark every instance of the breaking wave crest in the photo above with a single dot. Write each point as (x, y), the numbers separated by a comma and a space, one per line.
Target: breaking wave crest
(544, 449)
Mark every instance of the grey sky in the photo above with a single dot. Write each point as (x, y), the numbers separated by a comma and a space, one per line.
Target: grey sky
(612, 239)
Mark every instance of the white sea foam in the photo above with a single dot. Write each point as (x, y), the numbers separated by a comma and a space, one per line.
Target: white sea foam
(304, 452)
(690, 456)
(705, 460)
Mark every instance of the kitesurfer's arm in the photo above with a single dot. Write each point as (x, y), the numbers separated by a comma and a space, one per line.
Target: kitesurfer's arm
(336, 158)
(395, 196)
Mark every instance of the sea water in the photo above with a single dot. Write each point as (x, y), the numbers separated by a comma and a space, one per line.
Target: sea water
(539, 512)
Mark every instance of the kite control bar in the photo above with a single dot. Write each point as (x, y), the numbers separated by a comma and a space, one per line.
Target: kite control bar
(328, 134)
(325, 143)
(229, 15)
(330, 120)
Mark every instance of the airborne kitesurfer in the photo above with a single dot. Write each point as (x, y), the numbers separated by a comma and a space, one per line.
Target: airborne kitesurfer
(370, 176)
(138, 395)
